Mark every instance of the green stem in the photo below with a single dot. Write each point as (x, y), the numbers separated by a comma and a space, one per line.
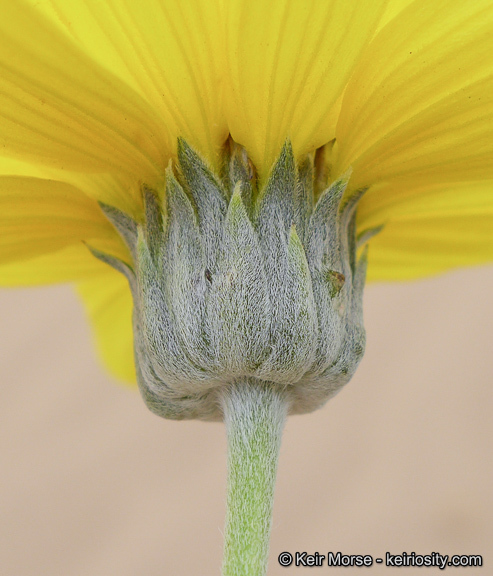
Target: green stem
(254, 414)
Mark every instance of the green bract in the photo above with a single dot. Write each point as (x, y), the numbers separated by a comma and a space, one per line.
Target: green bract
(231, 283)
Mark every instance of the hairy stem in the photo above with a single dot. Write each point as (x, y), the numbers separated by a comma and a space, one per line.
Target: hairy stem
(254, 414)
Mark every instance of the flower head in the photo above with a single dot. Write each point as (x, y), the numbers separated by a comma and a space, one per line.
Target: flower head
(94, 96)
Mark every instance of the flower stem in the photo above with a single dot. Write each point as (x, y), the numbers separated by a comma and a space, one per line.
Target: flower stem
(254, 414)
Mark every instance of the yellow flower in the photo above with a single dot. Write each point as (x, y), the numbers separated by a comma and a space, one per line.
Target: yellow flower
(93, 96)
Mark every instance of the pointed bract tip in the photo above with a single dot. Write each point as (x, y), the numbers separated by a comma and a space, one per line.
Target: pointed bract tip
(186, 153)
(366, 235)
(287, 153)
(287, 147)
(181, 144)
(346, 175)
(285, 158)
(236, 203)
(364, 254)
(113, 213)
(104, 207)
(170, 174)
(237, 192)
(293, 235)
(113, 261)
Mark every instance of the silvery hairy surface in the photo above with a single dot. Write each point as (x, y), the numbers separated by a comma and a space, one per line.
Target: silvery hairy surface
(232, 282)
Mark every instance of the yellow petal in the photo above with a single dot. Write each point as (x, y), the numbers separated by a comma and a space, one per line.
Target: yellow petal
(39, 216)
(17, 167)
(420, 102)
(70, 264)
(427, 229)
(109, 304)
(172, 52)
(455, 242)
(82, 23)
(392, 10)
(117, 190)
(404, 200)
(60, 108)
(289, 61)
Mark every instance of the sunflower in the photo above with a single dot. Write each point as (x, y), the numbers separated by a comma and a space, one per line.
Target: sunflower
(131, 130)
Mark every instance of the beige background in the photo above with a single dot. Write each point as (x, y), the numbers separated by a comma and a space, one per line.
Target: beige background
(93, 484)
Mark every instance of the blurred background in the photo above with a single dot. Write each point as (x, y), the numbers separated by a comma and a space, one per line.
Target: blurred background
(92, 483)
